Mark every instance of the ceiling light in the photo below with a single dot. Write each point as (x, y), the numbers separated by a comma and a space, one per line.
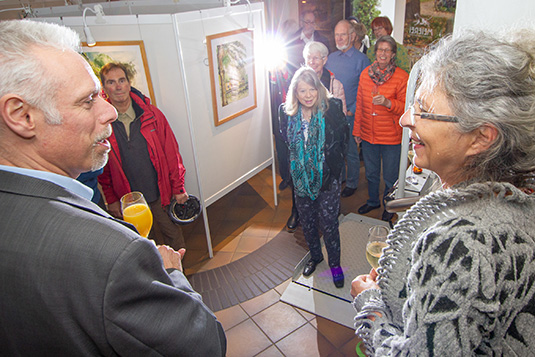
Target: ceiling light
(99, 11)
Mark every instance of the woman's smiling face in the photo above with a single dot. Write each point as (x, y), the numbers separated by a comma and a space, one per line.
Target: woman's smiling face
(307, 95)
(384, 54)
(438, 146)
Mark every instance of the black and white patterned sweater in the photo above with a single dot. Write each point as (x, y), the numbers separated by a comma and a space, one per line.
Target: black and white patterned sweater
(458, 277)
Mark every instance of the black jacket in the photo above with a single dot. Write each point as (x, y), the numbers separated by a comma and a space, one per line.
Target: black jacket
(336, 140)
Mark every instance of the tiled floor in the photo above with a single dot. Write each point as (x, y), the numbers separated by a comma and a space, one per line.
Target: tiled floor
(241, 222)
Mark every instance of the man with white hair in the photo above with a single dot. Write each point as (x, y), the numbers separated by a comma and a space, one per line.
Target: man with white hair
(347, 63)
(74, 280)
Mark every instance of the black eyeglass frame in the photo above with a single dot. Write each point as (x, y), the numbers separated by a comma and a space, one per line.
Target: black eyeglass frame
(431, 116)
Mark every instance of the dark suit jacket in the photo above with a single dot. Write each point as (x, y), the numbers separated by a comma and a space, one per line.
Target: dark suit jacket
(295, 48)
(76, 282)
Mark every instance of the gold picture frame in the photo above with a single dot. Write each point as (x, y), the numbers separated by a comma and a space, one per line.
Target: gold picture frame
(130, 53)
(232, 74)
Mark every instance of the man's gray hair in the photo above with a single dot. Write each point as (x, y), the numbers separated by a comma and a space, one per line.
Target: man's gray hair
(351, 28)
(315, 47)
(22, 72)
(489, 79)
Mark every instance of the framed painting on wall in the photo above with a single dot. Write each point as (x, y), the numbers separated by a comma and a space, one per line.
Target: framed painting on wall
(232, 74)
(131, 54)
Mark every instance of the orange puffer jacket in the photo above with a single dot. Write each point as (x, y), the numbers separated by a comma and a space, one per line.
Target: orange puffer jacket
(384, 127)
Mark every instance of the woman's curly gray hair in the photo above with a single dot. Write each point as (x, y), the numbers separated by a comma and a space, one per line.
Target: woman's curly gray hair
(490, 80)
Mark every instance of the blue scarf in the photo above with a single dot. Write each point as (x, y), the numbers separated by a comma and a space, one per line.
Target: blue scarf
(306, 156)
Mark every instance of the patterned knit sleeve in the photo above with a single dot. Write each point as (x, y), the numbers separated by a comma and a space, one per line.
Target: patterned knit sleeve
(466, 283)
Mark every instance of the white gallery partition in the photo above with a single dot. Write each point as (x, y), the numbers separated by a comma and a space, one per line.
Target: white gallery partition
(228, 154)
(217, 158)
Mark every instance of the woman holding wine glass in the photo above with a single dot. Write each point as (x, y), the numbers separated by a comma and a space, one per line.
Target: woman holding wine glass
(380, 103)
(457, 277)
(314, 127)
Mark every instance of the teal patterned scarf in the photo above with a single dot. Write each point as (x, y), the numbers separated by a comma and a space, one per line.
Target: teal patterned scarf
(306, 155)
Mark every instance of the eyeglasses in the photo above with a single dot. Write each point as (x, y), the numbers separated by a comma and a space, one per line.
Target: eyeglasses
(315, 58)
(430, 116)
(375, 29)
(385, 50)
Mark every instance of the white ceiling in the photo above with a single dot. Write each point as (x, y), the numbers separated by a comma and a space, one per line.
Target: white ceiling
(15, 9)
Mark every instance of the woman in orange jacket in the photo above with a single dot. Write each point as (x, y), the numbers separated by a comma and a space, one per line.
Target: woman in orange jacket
(380, 104)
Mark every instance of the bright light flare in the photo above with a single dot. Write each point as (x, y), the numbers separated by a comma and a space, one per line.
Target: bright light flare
(273, 53)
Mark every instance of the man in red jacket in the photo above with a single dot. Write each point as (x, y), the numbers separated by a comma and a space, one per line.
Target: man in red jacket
(144, 156)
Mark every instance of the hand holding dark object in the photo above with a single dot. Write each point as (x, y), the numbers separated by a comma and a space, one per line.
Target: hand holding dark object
(181, 198)
(185, 213)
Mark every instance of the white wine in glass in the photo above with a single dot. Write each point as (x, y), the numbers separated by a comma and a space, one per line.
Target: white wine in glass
(376, 242)
(136, 211)
(375, 92)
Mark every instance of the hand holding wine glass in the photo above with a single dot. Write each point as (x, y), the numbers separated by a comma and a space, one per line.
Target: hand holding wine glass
(374, 249)
(375, 92)
(136, 211)
(376, 242)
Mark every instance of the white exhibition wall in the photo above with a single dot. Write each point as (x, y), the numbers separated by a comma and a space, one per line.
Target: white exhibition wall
(158, 36)
(236, 150)
(494, 15)
(217, 158)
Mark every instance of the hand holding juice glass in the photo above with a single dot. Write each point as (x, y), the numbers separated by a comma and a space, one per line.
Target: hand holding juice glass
(136, 211)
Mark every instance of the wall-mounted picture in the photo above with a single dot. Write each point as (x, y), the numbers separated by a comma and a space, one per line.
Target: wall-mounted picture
(131, 54)
(232, 74)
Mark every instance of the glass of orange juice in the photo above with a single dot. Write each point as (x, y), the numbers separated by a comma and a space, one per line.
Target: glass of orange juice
(136, 211)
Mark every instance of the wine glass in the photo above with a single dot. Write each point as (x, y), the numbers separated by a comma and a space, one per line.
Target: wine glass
(411, 179)
(375, 91)
(376, 243)
(136, 211)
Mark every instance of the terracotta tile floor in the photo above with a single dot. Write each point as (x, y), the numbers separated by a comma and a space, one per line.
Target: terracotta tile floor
(241, 222)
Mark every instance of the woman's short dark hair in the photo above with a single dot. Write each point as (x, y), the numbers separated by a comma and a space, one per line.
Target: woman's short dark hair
(387, 39)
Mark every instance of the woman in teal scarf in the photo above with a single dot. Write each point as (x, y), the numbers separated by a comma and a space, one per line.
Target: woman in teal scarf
(313, 126)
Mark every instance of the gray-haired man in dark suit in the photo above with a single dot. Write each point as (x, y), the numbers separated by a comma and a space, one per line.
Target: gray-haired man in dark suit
(75, 281)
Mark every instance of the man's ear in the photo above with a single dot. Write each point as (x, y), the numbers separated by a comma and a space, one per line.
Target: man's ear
(484, 137)
(18, 115)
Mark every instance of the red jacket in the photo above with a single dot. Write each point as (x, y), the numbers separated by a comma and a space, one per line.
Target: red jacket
(163, 152)
(384, 127)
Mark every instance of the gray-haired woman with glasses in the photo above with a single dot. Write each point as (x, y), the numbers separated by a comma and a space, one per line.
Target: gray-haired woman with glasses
(458, 276)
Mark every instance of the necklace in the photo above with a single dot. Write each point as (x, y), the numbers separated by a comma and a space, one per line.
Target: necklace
(307, 115)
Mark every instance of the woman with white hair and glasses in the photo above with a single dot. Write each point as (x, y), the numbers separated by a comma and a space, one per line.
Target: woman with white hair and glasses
(315, 55)
(316, 132)
(458, 274)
